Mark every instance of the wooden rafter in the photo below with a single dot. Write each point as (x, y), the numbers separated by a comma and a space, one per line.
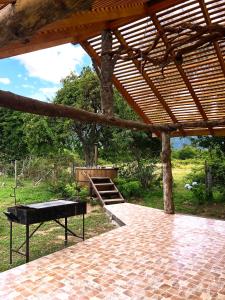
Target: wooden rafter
(183, 74)
(111, 13)
(148, 80)
(87, 47)
(216, 44)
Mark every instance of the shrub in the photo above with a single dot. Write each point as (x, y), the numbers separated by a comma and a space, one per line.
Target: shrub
(129, 189)
(58, 185)
(73, 190)
(197, 174)
(198, 190)
(186, 152)
(142, 171)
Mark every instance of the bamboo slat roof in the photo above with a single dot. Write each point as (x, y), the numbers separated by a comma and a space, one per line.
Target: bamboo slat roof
(192, 91)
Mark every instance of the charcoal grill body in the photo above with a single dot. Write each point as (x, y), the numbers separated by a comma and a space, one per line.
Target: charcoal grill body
(40, 213)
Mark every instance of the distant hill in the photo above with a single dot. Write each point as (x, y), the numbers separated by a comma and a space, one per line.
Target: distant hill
(178, 143)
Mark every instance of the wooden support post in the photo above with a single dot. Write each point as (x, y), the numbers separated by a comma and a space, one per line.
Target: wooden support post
(107, 67)
(167, 174)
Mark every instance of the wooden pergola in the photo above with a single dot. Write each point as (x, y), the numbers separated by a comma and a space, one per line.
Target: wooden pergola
(187, 99)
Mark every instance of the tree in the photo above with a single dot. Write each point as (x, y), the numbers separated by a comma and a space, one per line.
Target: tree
(13, 145)
(115, 144)
(83, 91)
(210, 142)
(44, 136)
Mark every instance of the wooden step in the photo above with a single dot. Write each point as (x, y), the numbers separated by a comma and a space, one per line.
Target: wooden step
(113, 201)
(105, 190)
(108, 192)
(104, 184)
(101, 180)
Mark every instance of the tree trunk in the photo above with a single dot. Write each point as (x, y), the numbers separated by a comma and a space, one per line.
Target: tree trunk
(107, 66)
(88, 155)
(19, 21)
(167, 174)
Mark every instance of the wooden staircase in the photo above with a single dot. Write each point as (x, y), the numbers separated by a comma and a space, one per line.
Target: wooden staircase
(105, 190)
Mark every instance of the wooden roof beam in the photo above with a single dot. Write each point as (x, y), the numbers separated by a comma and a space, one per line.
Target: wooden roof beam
(200, 132)
(148, 80)
(111, 17)
(50, 39)
(43, 40)
(88, 48)
(29, 105)
(183, 74)
(19, 22)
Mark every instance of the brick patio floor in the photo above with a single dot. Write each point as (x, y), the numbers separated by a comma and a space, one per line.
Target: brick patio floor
(155, 256)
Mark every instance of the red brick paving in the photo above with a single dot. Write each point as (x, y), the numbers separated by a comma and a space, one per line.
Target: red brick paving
(155, 256)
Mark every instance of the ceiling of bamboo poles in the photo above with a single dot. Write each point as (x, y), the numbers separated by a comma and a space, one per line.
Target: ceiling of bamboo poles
(192, 91)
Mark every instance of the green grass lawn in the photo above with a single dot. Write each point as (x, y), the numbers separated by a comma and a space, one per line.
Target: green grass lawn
(183, 198)
(48, 238)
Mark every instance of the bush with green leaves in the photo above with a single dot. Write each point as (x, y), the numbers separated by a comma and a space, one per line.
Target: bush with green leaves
(129, 189)
(73, 190)
(195, 183)
(187, 152)
(197, 174)
(142, 171)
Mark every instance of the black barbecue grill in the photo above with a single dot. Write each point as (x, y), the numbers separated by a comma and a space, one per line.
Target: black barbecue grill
(40, 213)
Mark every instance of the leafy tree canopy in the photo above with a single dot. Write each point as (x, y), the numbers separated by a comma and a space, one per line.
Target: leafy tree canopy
(13, 145)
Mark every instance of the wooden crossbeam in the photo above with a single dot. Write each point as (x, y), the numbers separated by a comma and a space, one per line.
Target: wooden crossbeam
(200, 132)
(183, 74)
(89, 49)
(29, 105)
(148, 80)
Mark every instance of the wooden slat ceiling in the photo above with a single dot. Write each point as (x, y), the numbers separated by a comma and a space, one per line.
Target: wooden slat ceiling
(191, 92)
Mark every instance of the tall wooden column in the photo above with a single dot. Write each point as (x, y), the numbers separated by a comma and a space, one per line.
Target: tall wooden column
(167, 174)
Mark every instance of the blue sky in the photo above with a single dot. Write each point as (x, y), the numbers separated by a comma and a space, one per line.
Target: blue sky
(38, 74)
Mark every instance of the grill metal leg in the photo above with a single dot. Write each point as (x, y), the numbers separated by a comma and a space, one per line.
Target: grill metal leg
(66, 233)
(10, 244)
(83, 227)
(27, 243)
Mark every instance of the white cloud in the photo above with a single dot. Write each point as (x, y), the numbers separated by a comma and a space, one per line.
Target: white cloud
(45, 93)
(4, 80)
(52, 64)
(49, 91)
(27, 86)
